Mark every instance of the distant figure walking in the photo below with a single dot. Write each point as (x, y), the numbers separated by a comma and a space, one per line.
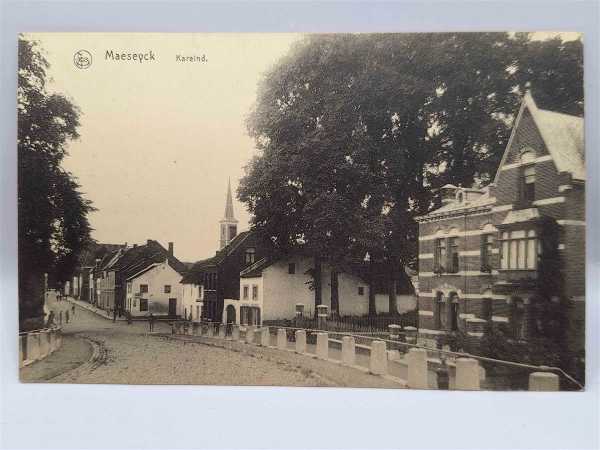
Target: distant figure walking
(128, 315)
(60, 317)
(115, 315)
(67, 316)
(50, 323)
(151, 322)
(73, 310)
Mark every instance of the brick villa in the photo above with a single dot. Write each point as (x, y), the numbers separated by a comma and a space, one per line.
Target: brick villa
(484, 252)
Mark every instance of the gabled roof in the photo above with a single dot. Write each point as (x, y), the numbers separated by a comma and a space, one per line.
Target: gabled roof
(137, 258)
(143, 271)
(231, 247)
(563, 136)
(95, 250)
(196, 274)
(255, 270)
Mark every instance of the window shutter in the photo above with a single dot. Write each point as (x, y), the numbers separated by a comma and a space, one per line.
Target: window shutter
(448, 262)
(436, 255)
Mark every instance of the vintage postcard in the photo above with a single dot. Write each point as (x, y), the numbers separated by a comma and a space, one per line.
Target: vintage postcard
(401, 210)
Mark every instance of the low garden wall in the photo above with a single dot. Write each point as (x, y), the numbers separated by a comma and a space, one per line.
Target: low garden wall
(38, 344)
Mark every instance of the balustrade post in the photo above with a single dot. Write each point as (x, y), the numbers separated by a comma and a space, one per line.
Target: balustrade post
(235, 332)
(348, 350)
(249, 334)
(543, 381)
(22, 350)
(281, 339)
(417, 368)
(33, 346)
(322, 317)
(222, 330)
(322, 345)
(467, 374)
(264, 337)
(378, 361)
(300, 341)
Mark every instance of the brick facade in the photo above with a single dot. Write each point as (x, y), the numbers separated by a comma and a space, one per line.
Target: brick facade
(532, 215)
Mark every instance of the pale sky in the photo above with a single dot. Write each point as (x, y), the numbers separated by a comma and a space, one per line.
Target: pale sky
(159, 139)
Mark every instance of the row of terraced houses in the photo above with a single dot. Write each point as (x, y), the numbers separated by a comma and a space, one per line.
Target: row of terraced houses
(241, 283)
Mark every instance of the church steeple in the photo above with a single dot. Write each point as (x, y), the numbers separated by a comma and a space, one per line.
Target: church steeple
(229, 202)
(228, 224)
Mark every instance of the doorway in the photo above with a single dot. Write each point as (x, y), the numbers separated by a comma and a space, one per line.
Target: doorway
(230, 314)
(172, 307)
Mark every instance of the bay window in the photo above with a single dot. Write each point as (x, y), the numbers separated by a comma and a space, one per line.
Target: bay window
(519, 250)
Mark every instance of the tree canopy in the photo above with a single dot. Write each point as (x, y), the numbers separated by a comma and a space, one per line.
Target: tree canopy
(52, 212)
(356, 132)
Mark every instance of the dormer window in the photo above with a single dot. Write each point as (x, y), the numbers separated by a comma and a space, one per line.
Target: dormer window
(250, 255)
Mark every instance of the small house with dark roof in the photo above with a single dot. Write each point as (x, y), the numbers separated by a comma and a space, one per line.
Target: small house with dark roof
(155, 289)
(212, 281)
(124, 263)
(492, 255)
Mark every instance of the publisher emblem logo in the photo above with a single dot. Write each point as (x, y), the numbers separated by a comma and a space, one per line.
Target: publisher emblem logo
(82, 59)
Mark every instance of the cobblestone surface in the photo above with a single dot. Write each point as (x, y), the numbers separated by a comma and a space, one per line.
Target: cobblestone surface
(126, 354)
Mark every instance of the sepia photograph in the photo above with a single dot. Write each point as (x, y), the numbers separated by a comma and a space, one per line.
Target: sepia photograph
(359, 210)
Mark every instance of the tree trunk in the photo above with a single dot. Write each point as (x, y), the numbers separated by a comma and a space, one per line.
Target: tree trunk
(393, 303)
(372, 306)
(335, 299)
(317, 281)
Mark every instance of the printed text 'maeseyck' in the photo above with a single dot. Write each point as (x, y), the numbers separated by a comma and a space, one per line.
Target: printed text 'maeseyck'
(125, 56)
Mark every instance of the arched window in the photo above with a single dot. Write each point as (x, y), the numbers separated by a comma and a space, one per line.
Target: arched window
(438, 310)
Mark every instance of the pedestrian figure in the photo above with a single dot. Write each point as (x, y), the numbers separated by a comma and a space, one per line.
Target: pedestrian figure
(50, 323)
(60, 317)
(73, 310)
(115, 315)
(151, 322)
(67, 316)
(128, 315)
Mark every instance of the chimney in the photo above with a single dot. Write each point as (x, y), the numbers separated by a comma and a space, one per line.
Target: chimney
(170, 249)
(134, 245)
(148, 241)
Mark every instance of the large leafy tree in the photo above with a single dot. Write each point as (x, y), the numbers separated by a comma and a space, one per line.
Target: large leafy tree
(355, 133)
(52, 213)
